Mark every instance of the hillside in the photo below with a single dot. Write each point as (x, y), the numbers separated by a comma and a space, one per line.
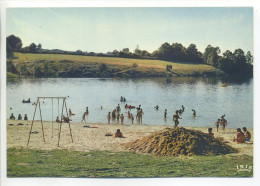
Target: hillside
(61, 65)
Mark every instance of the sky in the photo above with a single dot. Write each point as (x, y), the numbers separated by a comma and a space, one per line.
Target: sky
(107, 29)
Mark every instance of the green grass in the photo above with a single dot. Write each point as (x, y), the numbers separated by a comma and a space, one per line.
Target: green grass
(11, 75)
(179, 68)
(63, 163)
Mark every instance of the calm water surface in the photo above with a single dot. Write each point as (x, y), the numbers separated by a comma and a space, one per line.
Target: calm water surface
(205, 95)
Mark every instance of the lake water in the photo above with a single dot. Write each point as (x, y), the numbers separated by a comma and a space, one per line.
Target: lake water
(205, 95)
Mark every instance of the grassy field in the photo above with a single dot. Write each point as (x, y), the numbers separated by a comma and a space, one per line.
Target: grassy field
(63, 163)
(159, 66)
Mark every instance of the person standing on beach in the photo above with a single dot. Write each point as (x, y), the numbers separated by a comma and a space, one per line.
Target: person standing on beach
(223, 123)
(117, 117)
(140, 116)
(132, 118)
(20, 117)
(108, 117)
(217, 124)
(84, 117)
(12, 116)
(176, 118)
(122, 119)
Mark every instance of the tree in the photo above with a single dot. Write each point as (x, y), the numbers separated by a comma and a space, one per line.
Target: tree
(165, 51)
(14, 42)
(211, 55)
(249, 58)
(9, 51)
(32, 48)
(137, 50)
(193, 54)
(125, 50)
(39, 47)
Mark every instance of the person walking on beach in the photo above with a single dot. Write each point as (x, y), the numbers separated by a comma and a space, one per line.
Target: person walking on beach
(217, 124)
(223, 123)
(165, 113)
(108, 118)
(84, 117)
(122, 119)
(176, 118)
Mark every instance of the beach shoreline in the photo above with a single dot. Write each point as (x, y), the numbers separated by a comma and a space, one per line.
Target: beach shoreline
(94, 139)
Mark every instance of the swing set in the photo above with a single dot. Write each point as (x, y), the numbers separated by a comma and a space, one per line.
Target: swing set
(64, 105)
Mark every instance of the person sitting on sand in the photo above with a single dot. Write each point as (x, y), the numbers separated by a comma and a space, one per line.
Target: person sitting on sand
(20, 117)
(176, 118)
(25, 117)
(240, 137)
(210, 132)
(247, 134)
(66, 119)
(122, 119)
(118, 134)
(217, 124)
(194, 113)
(156, 107)
(57, 119)
(84, 117)
(165, 113)
(108, 118)
(12, 116)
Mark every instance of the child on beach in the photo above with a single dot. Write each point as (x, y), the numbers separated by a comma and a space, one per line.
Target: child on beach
(210, 132)
(84, 117)
(217, 124)
(12, 116)
(132, 118)
(240, 137)
(247, 134)
(25, 117)
(108, 118)
(122, 119)
(118, 134)
(19, 117)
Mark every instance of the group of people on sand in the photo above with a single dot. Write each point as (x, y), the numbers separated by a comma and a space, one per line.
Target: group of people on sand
(221, 122)
(242, 136)
(19, 117)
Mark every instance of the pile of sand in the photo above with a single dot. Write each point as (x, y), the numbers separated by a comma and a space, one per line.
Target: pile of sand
(180, 141)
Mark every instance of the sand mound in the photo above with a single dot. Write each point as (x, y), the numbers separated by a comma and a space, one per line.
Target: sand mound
(180, 141)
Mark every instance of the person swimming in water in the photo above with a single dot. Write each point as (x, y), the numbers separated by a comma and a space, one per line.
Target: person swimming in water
(165, 113)
(194, 113)
(156, 107)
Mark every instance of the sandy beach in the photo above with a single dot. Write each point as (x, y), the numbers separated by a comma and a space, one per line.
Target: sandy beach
(94, 139)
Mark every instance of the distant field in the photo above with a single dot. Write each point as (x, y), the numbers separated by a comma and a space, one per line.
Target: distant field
(157, 65)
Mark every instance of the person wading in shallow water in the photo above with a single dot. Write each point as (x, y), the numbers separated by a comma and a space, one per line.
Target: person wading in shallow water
(176, 118)
(108, 118)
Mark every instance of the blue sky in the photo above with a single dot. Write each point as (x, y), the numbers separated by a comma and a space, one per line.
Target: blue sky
(106, 29)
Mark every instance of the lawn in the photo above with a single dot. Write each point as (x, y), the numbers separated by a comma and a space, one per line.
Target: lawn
(179, 68)
(62, 163)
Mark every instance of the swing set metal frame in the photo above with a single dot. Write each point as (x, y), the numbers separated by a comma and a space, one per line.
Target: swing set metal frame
(64, 105)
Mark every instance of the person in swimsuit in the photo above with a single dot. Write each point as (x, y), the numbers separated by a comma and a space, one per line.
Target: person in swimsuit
(118, 134)
(132, 118)
(122, 119)
(240, 137)
(25, 117)
(140, 116)
(12, 116)
(117, 117)
(194, 113)
(108, 118)
(156, 107)
(20, 117)
(176, 118)
(84, 117)
(165, 113)
(217, 124)
(247, 134)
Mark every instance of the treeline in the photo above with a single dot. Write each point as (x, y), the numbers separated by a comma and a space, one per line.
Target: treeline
(235, 63)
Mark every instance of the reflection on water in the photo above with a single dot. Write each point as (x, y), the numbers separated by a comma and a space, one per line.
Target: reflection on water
(205, 95)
